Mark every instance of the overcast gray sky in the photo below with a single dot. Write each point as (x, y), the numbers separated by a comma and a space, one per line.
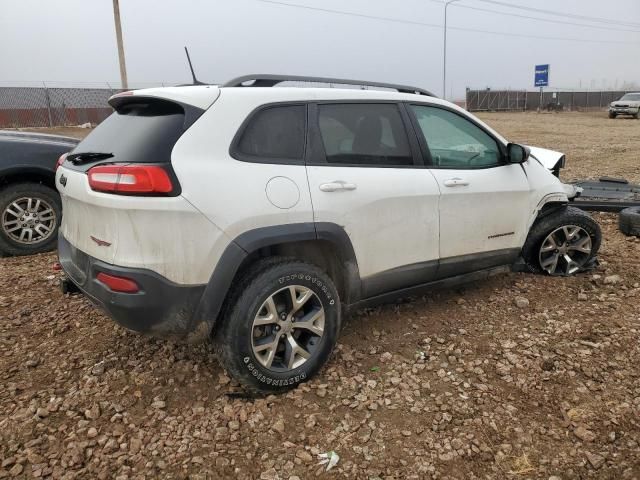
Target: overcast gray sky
(73, 41)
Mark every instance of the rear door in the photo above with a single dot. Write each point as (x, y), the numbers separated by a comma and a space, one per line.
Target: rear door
(485, 202)
(366, 176)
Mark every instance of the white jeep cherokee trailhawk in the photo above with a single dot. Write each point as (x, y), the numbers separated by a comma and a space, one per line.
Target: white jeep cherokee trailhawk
(257, 215)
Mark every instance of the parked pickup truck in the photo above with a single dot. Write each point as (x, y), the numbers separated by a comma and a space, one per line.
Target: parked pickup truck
(30, 208)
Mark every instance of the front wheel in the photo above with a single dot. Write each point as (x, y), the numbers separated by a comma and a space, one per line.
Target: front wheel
(612, 115)
(280, 327)
(562, 243)
(30, 215)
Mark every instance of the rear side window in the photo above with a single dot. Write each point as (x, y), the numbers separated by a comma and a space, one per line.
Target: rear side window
(274, 133)
(364, 135)
(140, 131)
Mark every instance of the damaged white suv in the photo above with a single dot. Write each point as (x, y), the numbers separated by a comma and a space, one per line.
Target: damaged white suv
(257, 216)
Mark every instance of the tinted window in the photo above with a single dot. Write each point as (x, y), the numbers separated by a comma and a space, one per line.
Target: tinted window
(454, 141)
(140, 131)
(275, 132)
(364, 134)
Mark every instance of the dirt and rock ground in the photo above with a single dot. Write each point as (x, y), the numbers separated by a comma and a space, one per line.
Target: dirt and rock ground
(520, 376)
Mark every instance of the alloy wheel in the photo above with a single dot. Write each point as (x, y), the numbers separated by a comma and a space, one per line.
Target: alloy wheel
(565, 250)
(29, 220)
(288, 328)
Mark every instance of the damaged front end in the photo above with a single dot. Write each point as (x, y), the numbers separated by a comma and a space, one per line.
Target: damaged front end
(605, 194)
(550, 159)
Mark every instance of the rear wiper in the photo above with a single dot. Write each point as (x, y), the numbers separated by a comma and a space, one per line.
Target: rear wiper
(78, 158)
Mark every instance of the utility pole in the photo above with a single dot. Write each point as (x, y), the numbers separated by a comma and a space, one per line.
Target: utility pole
(123, 66)
(444, 55)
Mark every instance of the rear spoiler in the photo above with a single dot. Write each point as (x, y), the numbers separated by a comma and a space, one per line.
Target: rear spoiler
(164, 106)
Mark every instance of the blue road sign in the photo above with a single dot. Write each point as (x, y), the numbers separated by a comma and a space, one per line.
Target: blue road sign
(542, 76)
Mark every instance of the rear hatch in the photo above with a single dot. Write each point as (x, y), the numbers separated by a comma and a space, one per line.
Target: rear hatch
(117, 186)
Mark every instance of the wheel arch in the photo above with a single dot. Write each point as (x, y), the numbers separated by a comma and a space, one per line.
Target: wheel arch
(547, 205)
(326, 245)
(549, 208)
(27, 175)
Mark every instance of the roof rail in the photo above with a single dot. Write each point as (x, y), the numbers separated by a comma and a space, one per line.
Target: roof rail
(260, 80)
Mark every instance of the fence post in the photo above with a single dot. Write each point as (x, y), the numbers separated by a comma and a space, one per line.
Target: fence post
(573, 101)
(586, 103)
(46, 94)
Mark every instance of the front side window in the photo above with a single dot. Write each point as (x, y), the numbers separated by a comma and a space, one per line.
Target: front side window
(454, 141)
(364, 135)
(275, 133)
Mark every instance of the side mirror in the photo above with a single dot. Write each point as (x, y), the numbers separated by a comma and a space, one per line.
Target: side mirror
(517, 153)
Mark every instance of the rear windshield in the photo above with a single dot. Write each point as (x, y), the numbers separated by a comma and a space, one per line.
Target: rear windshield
(142, 131)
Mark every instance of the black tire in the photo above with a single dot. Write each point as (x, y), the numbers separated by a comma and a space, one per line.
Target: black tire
(234, 336)
(12, 193)
(612, 115)
(547, 224)
(629, 221)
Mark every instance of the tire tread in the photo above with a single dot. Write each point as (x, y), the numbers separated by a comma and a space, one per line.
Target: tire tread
(629, 221)
(7, 247)
(543, 226)
(250, 280)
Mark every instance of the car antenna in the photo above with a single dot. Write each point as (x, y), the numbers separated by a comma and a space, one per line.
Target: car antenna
(193, 74)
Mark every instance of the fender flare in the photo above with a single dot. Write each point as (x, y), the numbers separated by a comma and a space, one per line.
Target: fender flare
(16, 171)
(547, 205)
(241, 247)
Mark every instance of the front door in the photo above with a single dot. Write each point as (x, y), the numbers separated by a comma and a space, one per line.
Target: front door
(484, 201)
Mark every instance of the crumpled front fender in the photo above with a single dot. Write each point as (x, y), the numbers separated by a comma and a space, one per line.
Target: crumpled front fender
(550, 159)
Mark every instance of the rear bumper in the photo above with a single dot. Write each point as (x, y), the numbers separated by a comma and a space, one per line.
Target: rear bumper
(161, 308)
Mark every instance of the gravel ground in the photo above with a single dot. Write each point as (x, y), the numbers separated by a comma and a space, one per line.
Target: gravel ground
(521, 376)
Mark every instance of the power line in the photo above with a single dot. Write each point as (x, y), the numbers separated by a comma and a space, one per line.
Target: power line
(352, 14)
(609, 21)
(431, 25)
(523, 35)
(459, 5)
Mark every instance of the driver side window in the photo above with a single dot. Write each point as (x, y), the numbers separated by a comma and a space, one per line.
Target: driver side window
(454, 142)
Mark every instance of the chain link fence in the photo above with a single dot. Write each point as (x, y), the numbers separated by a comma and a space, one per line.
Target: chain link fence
(522, 100)
(53, 107)
(58, 106)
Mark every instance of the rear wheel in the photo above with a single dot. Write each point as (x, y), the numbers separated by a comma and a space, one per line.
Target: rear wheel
(280, 327)
(562, 243)
(30, 215)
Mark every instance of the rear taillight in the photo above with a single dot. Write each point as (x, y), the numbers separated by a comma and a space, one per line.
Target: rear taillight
(118, 284)
(61, 160)
(130, 179)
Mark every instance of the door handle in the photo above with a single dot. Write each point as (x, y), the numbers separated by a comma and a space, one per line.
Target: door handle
(336, 186)
(455, 182)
